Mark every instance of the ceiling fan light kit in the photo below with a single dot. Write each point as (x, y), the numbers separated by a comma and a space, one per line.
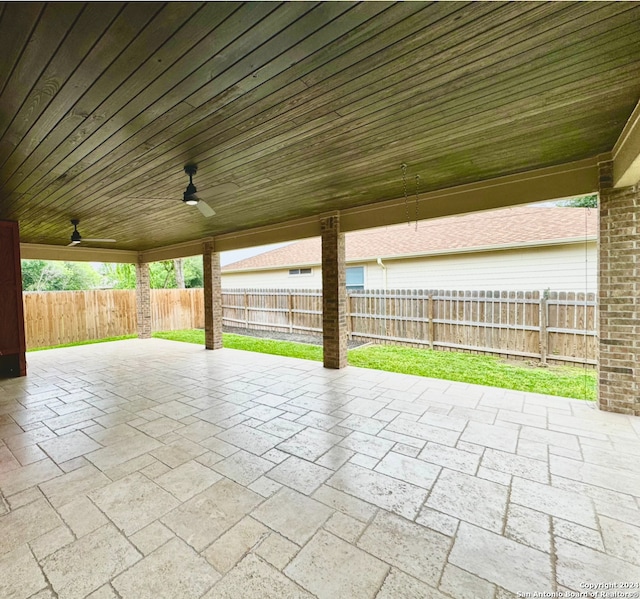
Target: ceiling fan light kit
(189, 197)
(76, 238)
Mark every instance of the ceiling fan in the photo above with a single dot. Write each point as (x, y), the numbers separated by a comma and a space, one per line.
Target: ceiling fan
(190, 196)
(76, 238)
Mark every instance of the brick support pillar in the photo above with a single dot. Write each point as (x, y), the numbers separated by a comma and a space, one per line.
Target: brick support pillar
(212, 297)
(143, 300)
(619, 296)
(334, 294)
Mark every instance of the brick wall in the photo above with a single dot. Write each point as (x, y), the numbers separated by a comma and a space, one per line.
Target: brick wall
(212, 298)
(334, 294)
(143, 300)
(619, 296)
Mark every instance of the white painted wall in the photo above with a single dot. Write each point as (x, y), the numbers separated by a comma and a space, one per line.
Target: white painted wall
(558, 268)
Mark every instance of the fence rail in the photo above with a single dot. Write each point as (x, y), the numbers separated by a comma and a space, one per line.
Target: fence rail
(558, 326)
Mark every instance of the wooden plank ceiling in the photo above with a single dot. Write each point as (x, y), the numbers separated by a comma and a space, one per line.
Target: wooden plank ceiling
(291, 109)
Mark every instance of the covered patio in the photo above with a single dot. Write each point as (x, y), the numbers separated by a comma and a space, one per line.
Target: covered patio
(153, 469)
(149, 468)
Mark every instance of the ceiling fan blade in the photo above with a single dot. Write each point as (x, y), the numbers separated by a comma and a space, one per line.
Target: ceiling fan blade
(99, 240)
(206, 210)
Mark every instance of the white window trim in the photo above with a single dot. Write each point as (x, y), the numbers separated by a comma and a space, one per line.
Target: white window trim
(300, 274)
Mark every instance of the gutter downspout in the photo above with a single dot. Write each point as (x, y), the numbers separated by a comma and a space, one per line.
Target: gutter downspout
(384, 273)
(384, 297)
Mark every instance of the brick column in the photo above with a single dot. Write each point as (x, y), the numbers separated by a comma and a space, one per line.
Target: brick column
(334, 294)
(212, 297)
(143, 300)
(619, 296)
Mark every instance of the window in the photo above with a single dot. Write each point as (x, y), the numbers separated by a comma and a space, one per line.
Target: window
(299, 271)
(355, 278)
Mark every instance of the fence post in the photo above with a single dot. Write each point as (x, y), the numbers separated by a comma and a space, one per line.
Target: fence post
(348, 315)
(432, 329)
(544, 342)
(246, 309)
(290, 304)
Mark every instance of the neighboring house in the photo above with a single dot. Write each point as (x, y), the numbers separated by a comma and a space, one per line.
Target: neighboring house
(524, 248)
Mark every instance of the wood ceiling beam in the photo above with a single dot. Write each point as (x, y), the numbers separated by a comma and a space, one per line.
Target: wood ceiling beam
(626, 153)
(565, 180)
(37, 251)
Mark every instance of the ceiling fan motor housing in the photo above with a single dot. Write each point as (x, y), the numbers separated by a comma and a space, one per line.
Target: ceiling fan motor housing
(189, 196)
(75, 236)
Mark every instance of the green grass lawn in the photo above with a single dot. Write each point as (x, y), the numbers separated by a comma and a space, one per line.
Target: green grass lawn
(564, 381)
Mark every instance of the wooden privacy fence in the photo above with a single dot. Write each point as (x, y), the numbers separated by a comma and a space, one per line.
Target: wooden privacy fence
(558, 326)
(554, 326)
(58, 317)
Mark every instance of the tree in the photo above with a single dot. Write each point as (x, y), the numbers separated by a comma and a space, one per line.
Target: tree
(588, 201)
(179, 270)
(162, 275)
(45, 275)
(119, 276)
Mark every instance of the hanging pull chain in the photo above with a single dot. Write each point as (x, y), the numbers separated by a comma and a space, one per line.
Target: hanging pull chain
(406, 195)
(417, 198)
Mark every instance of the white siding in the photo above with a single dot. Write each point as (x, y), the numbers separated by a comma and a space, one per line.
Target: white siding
(558, 268)
(272, 279)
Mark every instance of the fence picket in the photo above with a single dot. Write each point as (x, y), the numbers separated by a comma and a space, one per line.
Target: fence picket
(549, 326)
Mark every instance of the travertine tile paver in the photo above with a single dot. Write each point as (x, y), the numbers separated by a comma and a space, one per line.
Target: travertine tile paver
(22, 478)
(174, 570)
(133, 502)
(69, 446)
(398, 584)
(553, 501)
(508, 564)
(188, 480)
(234, 544)
(331, 568)
(293, 515)
(300, 475)
(524, 467)
(20, 576)
(82, 517)
(367, 444)
(277, 550)
(490, 435)
(463, 585)
(621, 539)
(469, 498)
(253, 578)
(310, 443)
(529, 527)
(243, 467)
(263, 473)
(250, 439)
(578, 565)
(151, 537)
(384, 491)
(408, 469)
(203, 518)
(408, 546)
(26, 524)
(84, 566)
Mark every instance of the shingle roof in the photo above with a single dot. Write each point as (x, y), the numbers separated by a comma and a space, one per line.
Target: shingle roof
(512, 226)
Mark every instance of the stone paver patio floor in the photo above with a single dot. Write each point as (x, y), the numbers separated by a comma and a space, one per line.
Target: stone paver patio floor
(152, 469)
